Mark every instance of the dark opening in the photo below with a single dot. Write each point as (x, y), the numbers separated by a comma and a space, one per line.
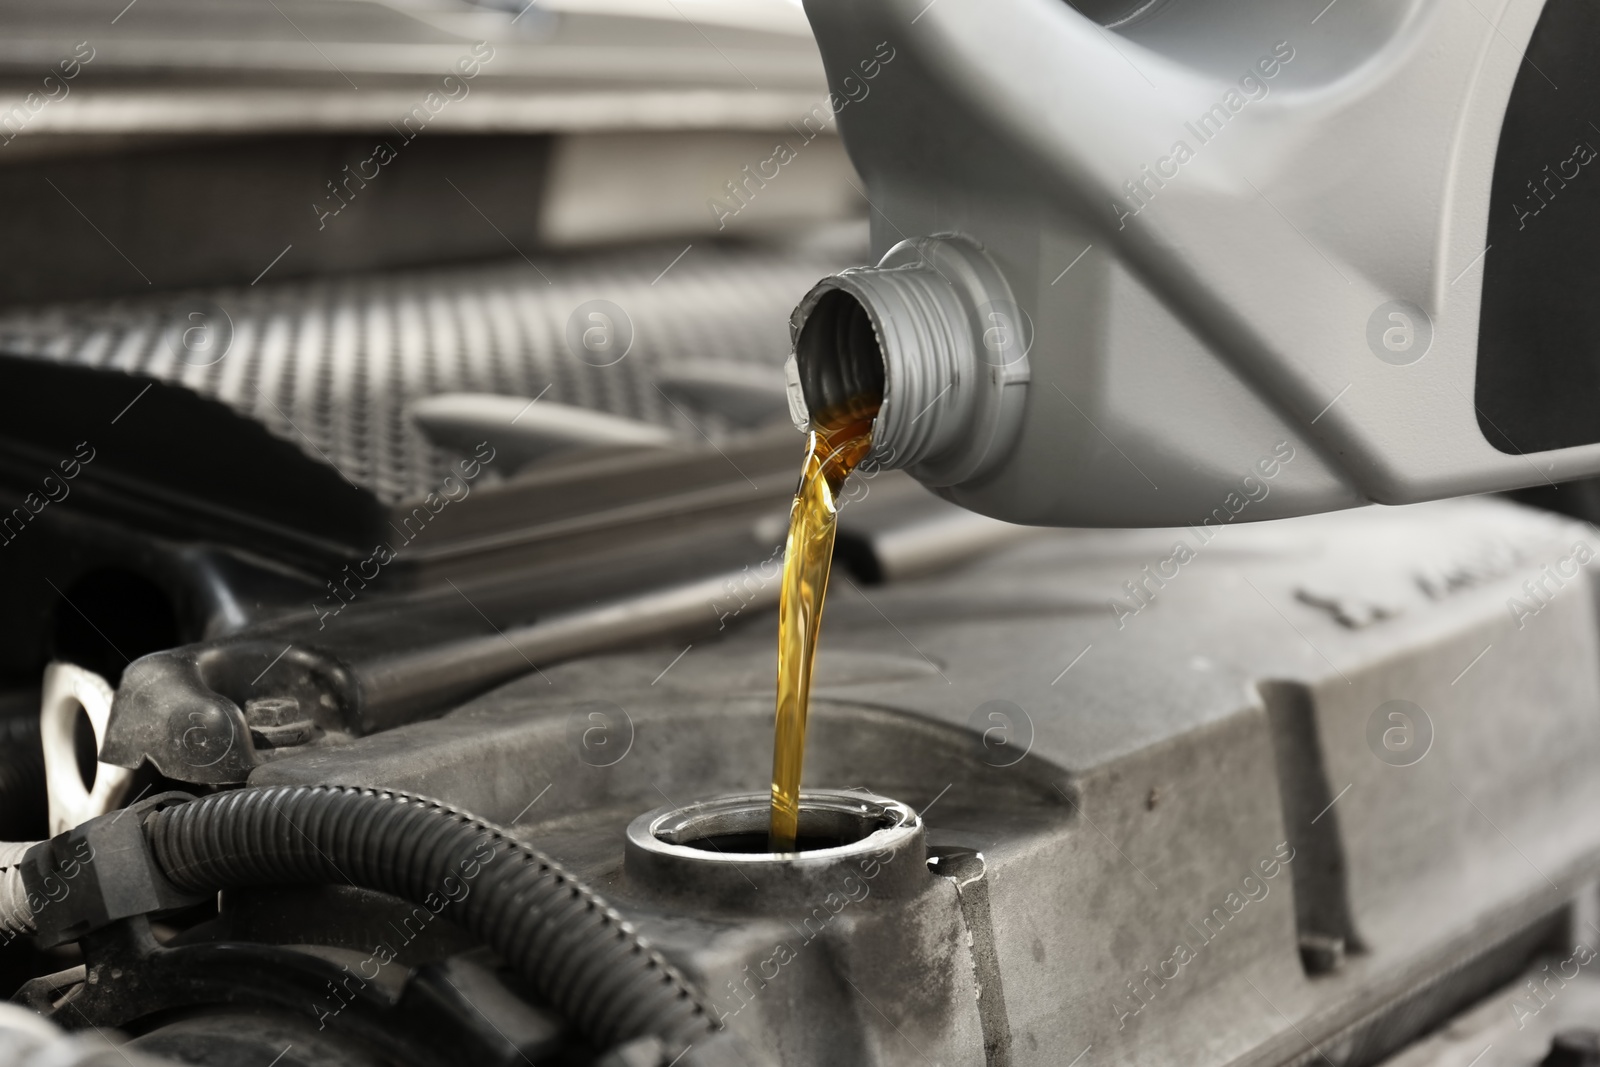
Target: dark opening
(818, 830)
(837, 353)
(85, 748)
(108, 618)
(1539, 331)
(757, 842)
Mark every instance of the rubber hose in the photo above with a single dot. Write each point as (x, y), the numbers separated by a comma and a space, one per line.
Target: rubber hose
(16, 916)
(22, 786)
(577, 952)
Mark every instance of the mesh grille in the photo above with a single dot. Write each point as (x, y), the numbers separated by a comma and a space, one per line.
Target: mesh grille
(331, 363)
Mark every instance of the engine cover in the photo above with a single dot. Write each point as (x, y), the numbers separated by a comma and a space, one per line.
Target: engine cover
(1262, 795)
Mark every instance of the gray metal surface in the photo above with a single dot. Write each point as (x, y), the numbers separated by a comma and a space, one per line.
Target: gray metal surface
(1516, 1026)
(1212, 765)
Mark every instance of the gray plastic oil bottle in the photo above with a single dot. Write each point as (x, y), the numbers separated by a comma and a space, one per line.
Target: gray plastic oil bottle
(1146, 263)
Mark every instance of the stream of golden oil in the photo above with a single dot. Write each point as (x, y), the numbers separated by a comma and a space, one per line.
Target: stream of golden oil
(841, 439)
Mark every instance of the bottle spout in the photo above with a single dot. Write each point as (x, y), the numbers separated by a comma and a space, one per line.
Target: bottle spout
(932, 329)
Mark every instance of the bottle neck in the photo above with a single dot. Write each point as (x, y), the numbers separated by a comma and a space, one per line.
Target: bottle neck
(933, 330)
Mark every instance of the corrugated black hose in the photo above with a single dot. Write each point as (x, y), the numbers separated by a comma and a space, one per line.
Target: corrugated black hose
(576, 951)
(22, 786)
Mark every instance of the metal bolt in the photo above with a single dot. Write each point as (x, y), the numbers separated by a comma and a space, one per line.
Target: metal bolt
(272, 711)
(278, 722)
(1321, 953)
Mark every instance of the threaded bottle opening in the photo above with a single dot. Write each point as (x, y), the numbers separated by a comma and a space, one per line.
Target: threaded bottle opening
(912, 331)
(837, 353)
(899, 335)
